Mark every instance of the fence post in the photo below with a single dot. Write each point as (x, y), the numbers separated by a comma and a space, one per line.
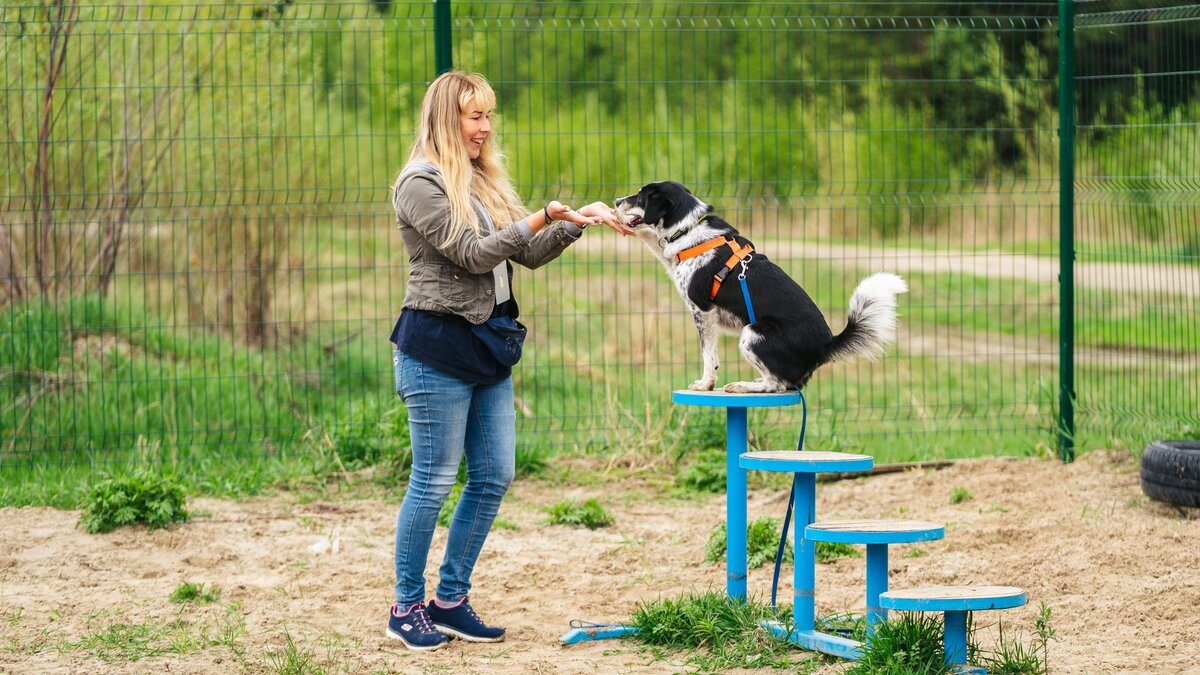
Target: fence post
(443, 51)
(1066, 230)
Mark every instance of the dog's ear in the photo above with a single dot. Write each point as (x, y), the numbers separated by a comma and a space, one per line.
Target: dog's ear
(656, 204)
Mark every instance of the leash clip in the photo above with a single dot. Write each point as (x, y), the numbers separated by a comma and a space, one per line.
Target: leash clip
(745, 264)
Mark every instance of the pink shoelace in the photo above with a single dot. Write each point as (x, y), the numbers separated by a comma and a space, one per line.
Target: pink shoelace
(420, 617)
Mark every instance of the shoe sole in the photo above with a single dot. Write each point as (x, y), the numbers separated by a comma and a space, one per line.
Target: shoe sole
(465, 636)
(416, 648)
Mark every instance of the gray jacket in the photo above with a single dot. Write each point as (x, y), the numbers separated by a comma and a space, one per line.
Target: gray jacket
(454, 276)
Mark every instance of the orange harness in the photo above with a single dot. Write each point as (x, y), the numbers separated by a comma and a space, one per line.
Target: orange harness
(739, 254)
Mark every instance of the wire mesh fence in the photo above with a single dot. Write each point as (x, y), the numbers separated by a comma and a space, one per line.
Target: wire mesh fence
(198, 258)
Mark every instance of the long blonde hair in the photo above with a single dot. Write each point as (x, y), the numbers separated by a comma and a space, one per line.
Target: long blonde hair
(439, 141)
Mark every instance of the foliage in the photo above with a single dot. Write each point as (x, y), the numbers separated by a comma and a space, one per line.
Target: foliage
(828, 551)
(704, 472)
(196, 593)
(960, 494)
(153, 500)
(589, 514)
(762, 543)
(723, 631)
(908, 645)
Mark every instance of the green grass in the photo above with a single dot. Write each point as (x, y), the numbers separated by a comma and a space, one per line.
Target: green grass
(227, 420)
(142, 498)
(959, 494)
(196, 593)
(590, 514)
(828, 551)
(121, 641)
(717, 633)
(762, 543)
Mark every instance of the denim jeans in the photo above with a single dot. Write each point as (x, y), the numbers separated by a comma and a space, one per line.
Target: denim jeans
(447, 417)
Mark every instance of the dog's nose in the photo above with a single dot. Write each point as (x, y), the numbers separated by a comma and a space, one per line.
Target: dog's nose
(618, 202)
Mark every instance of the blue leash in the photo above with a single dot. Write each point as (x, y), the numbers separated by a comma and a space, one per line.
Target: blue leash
(791, 496)
(746, 294)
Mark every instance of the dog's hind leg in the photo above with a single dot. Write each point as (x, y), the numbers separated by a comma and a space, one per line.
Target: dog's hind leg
(707, 327)
(768, 383)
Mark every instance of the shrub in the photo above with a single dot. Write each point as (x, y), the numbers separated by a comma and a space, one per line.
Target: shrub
(705, 473)
(590, 514)
(155, 501)
(762, 543)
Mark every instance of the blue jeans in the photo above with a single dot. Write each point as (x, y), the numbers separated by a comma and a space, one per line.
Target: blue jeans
(447, 416)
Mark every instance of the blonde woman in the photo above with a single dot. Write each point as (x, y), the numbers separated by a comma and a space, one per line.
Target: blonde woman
(456, 341)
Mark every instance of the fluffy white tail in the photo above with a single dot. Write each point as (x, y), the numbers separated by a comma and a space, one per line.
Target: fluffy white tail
(871, 324)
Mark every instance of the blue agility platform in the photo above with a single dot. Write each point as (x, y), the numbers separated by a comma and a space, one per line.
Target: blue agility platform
(876, 534)
(804, 465)
(736, 434)
(954, 602)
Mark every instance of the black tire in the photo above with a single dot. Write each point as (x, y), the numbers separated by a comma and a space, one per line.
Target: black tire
(1171, 472)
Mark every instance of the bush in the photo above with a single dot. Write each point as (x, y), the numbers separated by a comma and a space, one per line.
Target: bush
(155, 501)
(590, 514)
(705, 473)
(762, 542)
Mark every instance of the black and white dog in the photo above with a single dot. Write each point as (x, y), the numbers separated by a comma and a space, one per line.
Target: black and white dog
(788, 339)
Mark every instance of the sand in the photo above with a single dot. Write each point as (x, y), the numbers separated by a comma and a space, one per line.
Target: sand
(1117, 570)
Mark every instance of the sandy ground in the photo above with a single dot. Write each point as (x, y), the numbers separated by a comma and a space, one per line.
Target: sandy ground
(1117, 570)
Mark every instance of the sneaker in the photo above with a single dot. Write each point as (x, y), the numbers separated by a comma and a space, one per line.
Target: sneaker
(414, 629)
(461, 621)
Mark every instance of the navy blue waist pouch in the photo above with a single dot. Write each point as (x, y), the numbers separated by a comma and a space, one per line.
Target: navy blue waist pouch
(503, 336)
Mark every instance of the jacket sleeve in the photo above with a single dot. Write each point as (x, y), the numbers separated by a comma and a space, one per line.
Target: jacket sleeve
(547, 245)
(421, 202)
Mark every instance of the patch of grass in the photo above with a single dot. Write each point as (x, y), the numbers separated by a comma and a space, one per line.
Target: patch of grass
(959, 494)
(762, 543)
(915, 552)
(722, 633)
(531, 461)
(294, 659)
(153, 500)
(910, 644)
(124, 641)
(705, 472)
(589, 514)
(195, 593)
(828, 551)
(1014, 657)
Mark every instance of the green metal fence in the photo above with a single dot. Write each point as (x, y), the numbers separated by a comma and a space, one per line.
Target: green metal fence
(197, 259)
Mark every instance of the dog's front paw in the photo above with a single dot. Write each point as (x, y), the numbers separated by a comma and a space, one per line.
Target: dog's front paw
(702, 385)
(737, 388)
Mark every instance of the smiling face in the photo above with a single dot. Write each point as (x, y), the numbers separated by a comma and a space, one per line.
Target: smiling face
(476, 126)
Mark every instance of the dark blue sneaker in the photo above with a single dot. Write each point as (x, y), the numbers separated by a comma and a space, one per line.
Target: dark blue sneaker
(414, 629)
(461, 621)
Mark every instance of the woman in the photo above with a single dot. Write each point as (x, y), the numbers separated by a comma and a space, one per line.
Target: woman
(456, 341)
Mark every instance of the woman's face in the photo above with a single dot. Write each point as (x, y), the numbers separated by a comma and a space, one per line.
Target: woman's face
(476, 125)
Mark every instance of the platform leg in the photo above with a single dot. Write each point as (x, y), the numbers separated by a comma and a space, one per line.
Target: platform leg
(805, 565)
(956, 637)
(735, 503)
(877, 583)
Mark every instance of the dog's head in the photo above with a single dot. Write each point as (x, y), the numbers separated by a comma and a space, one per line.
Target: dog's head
(657, 205)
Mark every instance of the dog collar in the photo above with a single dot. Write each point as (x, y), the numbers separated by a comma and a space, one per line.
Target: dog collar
(671, 239)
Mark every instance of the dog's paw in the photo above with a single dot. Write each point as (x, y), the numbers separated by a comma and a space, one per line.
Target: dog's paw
(738, 388)
(702, 385)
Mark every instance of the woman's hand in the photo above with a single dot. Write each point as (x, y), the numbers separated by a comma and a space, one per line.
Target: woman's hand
(605, 214)
(559, 211)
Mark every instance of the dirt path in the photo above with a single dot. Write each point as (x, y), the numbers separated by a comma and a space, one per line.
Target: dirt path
(1118, 572)
(1155, 279)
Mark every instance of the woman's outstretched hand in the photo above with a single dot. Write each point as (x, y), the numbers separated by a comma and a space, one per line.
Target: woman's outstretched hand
(603, 213)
